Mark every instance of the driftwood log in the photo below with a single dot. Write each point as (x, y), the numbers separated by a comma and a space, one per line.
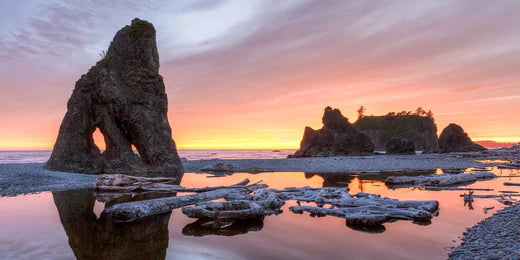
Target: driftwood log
(511, 183)
(130, 211)
(127, 184)
(262, 203)
(370, 209)
(439, 179)
(256, 201)
(435, 188)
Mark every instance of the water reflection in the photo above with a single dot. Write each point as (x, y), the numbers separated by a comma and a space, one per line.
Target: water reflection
(204, 227)
(93, 238)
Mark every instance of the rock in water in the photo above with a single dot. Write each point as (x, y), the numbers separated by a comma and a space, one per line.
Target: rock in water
(454, 139)
(420, 130)
(124, 96)
(400, 146)
(337, 137)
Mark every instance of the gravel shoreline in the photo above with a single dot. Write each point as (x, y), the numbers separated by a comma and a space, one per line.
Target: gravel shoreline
(18, 179)
(344, 163)
(495, 237)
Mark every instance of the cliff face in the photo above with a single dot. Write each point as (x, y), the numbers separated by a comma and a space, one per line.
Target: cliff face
(123, 96)
(420, 130)
(454, 139)
(337, 137)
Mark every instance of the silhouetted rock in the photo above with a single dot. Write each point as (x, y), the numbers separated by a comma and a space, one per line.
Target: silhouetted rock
(399, 146)
(124, 96)
(454, 139)
(336, 138)
(420, 130)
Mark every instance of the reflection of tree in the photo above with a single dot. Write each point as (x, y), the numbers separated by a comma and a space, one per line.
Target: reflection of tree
(204, 227)
(92, 238)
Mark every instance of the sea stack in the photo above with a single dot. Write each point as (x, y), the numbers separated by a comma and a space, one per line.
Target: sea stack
(337, 137)
(124, 97)
(454, 139)
(417, 129)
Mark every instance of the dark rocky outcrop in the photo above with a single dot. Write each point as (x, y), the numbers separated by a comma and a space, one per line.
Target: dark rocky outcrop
(454, 139)
(123, 96)
(399, 146)
(336, 138)
(420, 130)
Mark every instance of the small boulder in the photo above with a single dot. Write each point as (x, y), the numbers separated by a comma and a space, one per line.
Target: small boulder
(218, 167)
(454, 139)
(400, 146)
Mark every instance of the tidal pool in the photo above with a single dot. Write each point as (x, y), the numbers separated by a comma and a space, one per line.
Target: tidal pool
(67, 225)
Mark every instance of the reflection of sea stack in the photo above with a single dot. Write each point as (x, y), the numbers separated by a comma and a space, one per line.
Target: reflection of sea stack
(124, 96)
(337, 137)
(92, 238)
(454, 139)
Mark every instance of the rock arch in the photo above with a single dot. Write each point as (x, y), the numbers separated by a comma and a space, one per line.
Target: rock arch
(124, 96)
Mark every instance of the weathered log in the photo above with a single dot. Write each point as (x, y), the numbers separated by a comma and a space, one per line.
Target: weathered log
(439, 179)
(511, 183)
(124, 180)
(508, 191)
(370, 215)
(491, 196)
(124, 183)
(262, 203)
(358, 209)
(130, 211)
(435, 188)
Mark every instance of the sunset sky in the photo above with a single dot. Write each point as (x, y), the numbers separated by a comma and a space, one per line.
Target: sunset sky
(253, 74)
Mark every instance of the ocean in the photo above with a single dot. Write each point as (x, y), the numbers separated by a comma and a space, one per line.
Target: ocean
(42, 156)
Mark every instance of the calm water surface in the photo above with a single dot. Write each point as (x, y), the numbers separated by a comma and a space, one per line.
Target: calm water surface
(65, 225)
(43, 156)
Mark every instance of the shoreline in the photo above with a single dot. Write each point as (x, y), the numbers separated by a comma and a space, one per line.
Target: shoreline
(16, 179)
(495, 237)
(354, 164)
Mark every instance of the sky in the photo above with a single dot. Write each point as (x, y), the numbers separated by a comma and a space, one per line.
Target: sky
(253, 74)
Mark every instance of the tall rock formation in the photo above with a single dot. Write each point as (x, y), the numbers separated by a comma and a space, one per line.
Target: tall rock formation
(454, 139)
(337, 137)
(123, 96)
(420, 130)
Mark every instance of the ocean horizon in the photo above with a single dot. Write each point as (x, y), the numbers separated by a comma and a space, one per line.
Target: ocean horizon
(41, 156)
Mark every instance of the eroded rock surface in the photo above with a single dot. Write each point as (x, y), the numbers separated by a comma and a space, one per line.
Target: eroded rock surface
(400, 146)
(454, 139)
(337, 137)
(123, 96)
(420, 130)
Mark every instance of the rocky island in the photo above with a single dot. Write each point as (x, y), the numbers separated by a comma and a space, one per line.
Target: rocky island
(419, 128)
(454, 139)
(337, 137)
